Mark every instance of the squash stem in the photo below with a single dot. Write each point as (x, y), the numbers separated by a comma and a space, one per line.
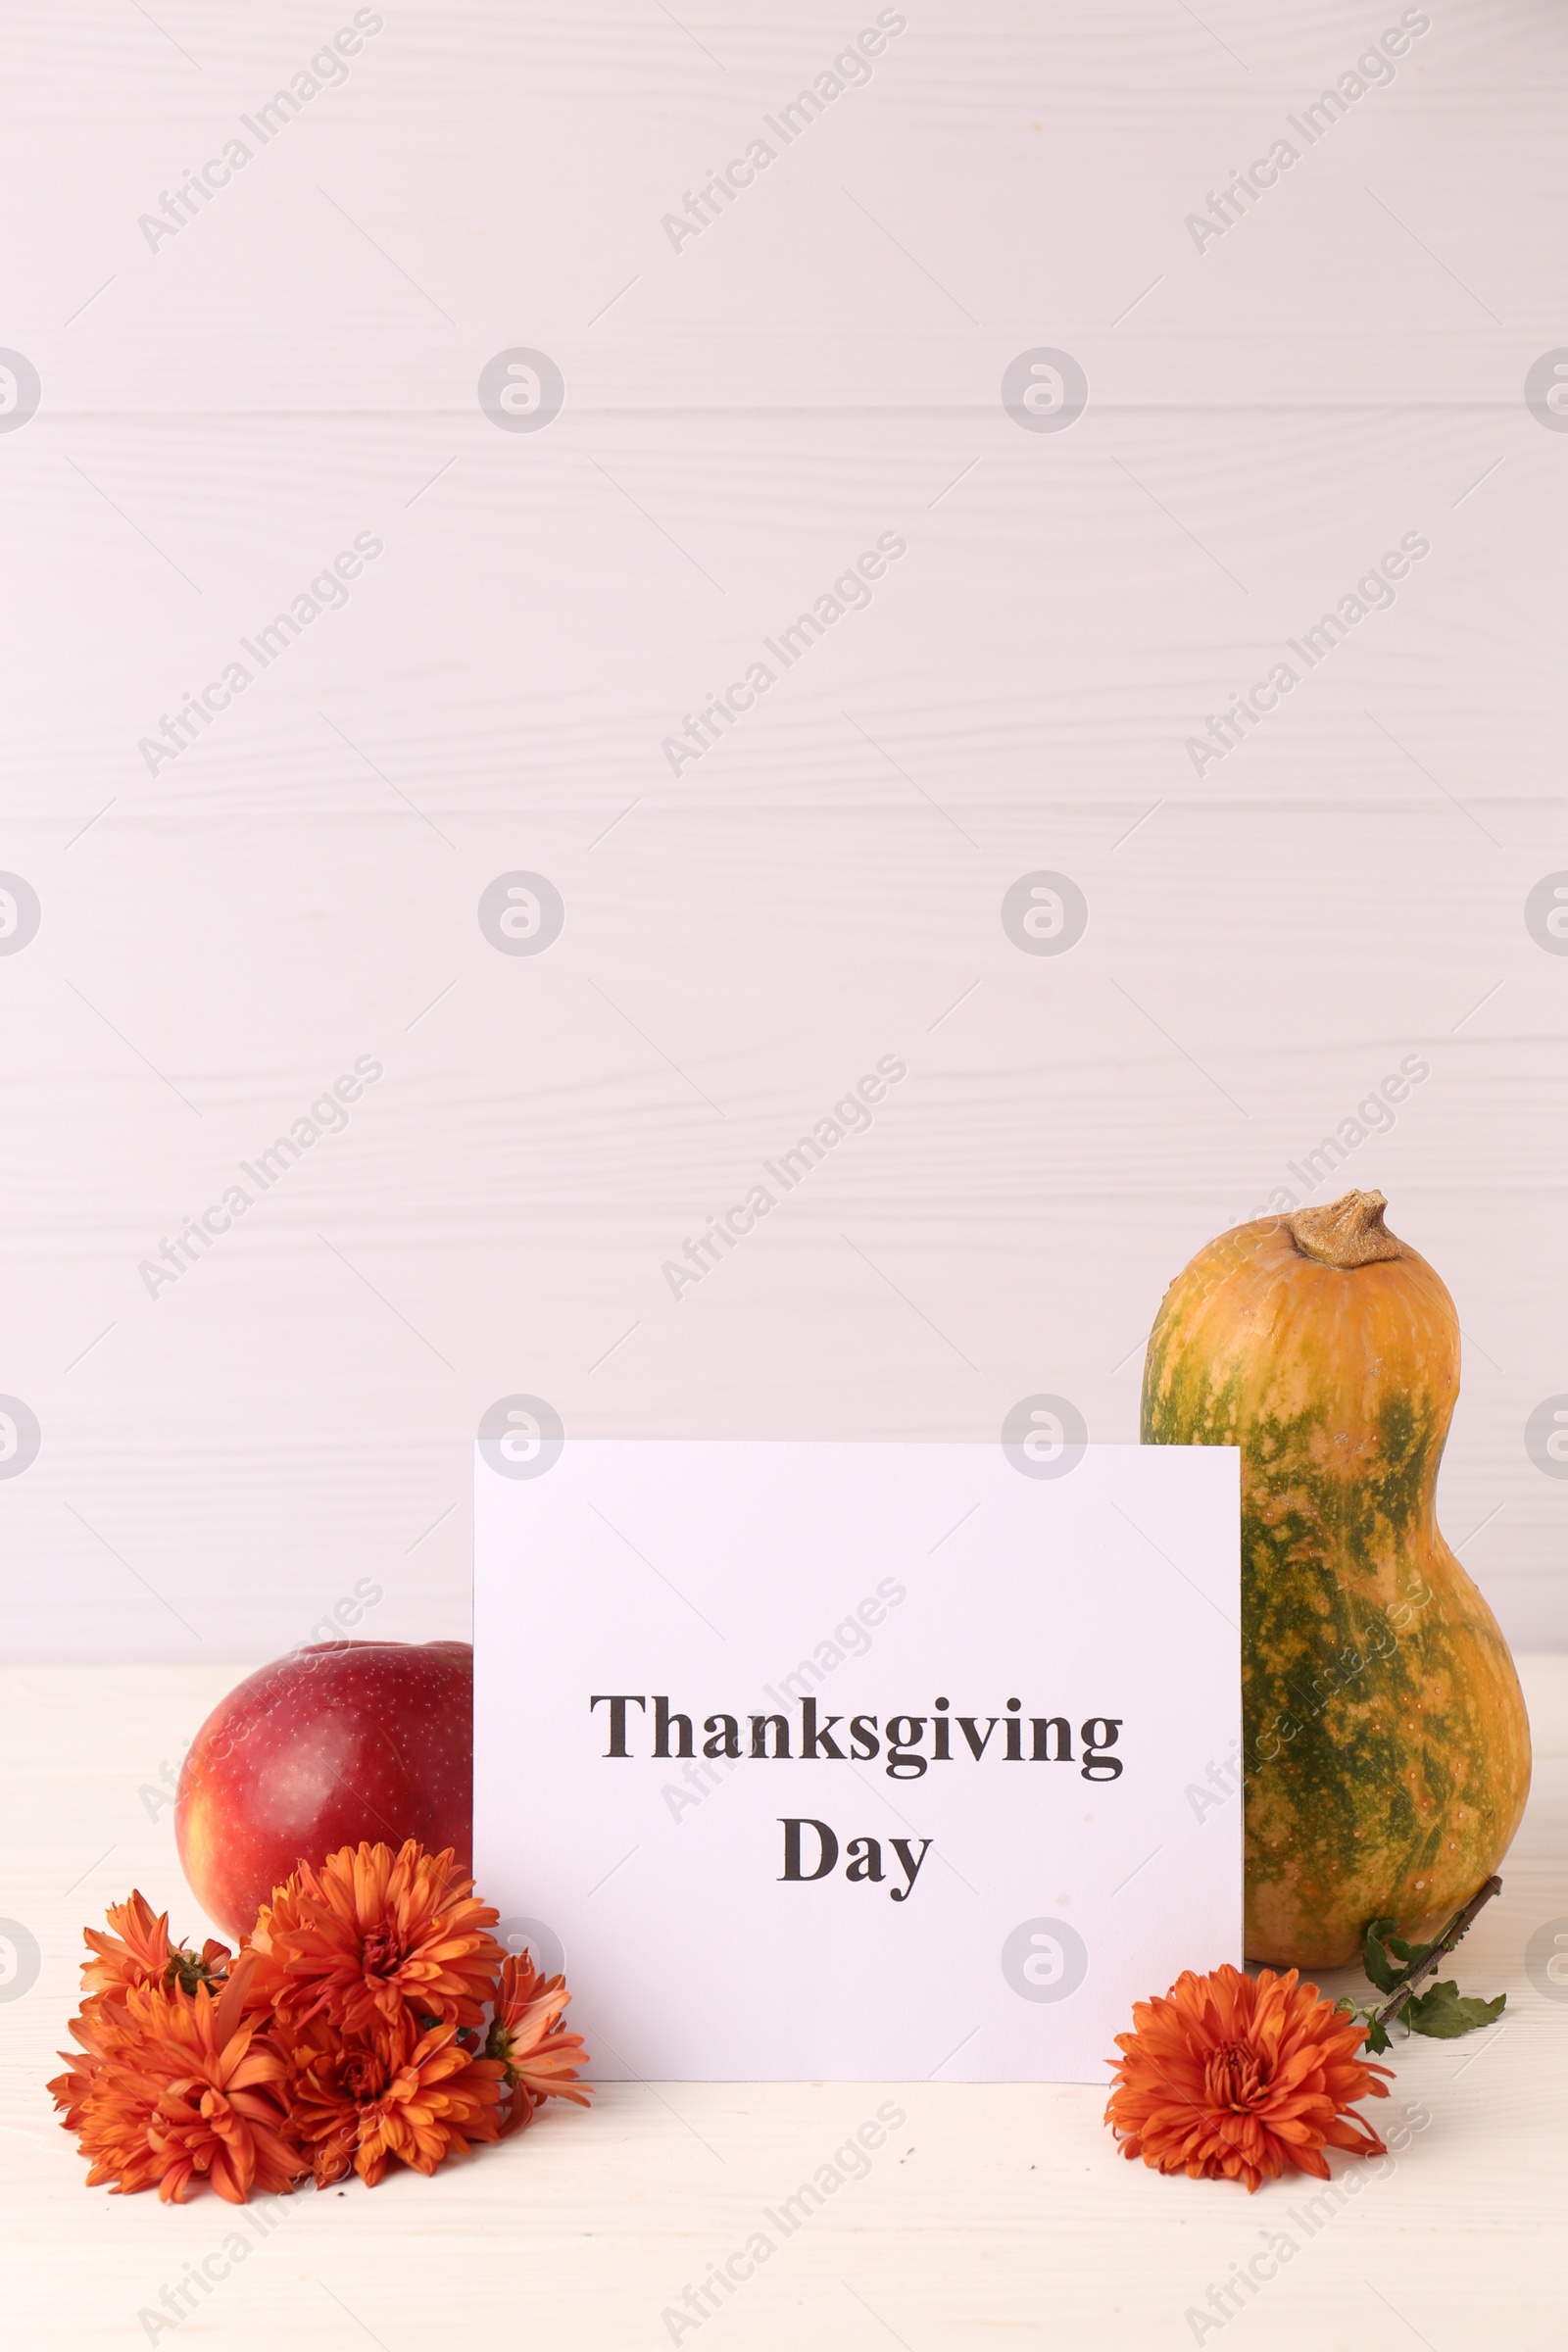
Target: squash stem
(1457, 1927)
(1344, 1233)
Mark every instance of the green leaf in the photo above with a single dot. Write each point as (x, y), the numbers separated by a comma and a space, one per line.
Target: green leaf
(1377, 2037)
(1412, 1953)
(1446, 2013)
(1379, 1967)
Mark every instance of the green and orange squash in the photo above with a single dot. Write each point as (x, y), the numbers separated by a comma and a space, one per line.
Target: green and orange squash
(1386, 1749)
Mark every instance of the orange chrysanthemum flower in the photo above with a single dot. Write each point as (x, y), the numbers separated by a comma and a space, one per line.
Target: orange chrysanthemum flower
(361, 2099)
(181, 2088)
(540, 2063)
(137, 1953)
(346, 2035)
(373, 1936)
(1231, 2078)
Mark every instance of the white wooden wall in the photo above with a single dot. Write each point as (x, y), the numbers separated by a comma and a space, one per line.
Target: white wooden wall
(744, 415)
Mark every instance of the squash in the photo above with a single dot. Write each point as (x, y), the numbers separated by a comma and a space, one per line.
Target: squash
(1386, 1749)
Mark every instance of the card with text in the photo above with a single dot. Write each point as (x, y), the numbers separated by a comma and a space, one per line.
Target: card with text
(858, 1762)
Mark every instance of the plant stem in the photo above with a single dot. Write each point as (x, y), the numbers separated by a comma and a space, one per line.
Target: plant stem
(1446, 1942)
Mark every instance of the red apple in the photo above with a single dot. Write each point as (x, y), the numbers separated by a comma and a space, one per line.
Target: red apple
(340, 1742)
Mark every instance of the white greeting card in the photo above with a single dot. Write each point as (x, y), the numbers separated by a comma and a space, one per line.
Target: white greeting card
(863, 1762)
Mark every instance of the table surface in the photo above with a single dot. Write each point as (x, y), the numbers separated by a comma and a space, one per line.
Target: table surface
(992, 2215)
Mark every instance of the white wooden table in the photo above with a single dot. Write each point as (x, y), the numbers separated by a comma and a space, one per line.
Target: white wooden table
(991, 2217)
